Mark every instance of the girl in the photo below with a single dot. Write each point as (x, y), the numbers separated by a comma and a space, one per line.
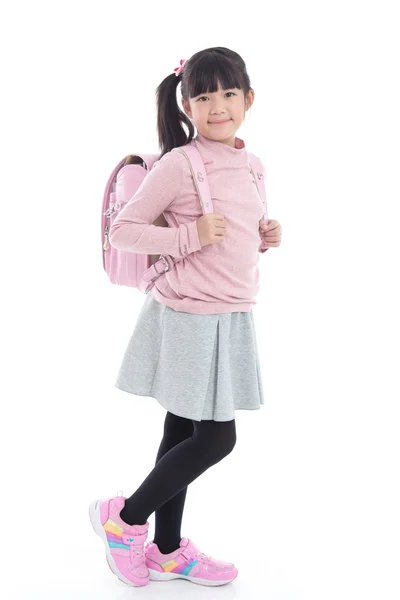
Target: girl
(193, 347)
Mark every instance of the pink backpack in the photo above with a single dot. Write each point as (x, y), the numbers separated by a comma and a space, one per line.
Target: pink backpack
(142, 270)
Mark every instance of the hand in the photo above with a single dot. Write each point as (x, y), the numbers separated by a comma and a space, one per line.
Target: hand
(211, 229)
(271, 233)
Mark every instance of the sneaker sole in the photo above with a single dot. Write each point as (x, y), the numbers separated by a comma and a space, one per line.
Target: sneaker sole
(94, 515)
(158, 576)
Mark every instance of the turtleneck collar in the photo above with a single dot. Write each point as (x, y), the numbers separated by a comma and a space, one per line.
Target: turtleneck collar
(213, 150)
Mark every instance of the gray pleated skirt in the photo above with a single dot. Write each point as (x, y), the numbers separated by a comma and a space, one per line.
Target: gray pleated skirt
(201, 367)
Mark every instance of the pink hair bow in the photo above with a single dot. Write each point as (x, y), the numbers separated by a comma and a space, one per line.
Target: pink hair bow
(179, 69)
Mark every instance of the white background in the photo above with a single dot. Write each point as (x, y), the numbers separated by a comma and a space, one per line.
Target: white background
(307, 505)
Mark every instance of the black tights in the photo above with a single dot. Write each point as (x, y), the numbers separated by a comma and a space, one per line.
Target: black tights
(187, 449)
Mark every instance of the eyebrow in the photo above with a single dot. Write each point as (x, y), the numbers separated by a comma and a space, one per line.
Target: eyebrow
(205, 93)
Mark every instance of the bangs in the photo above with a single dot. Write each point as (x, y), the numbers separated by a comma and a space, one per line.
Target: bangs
(211, 70)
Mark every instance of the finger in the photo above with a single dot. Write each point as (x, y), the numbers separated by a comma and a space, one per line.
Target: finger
(274, 225)
(271, 237)
(270, 245)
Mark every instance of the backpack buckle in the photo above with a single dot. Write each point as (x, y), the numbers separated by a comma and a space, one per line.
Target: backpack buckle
(109, 212)
(165, 262)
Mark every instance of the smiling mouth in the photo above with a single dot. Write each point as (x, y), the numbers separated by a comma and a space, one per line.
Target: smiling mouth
(219, 122)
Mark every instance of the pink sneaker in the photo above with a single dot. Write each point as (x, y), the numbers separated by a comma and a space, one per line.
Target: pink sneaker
(188, 563)
(124, 543)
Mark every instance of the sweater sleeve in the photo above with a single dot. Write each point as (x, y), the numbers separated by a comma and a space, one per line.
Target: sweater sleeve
(132, 229)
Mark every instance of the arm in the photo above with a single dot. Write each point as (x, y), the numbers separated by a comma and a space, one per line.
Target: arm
(133, 230)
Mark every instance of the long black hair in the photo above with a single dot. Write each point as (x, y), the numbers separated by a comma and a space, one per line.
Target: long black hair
(201, 74)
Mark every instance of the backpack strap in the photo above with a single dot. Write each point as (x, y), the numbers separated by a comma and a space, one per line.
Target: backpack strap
(196, 165)
(199, 175)
(257, 170)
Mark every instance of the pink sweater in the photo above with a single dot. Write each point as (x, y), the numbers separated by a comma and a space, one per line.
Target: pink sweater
(216, 278)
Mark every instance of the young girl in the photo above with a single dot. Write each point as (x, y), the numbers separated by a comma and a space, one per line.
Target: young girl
(194, 346)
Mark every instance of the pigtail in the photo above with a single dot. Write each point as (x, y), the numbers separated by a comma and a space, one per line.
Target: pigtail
(170, 118)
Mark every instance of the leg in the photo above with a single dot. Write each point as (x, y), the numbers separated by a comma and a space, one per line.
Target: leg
(211, 442)
(168, 517)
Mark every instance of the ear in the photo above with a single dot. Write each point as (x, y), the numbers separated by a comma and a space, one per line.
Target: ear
(186, 108)
(249, 99)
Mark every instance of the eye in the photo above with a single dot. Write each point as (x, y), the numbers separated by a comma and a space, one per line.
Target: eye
(198, 100)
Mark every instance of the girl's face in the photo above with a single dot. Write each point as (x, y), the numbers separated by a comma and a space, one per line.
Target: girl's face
(218, 115)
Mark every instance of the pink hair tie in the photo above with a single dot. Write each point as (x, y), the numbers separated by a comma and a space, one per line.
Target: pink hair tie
(179, 69)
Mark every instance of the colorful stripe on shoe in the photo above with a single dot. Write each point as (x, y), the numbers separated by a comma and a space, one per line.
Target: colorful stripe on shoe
(114, 535)
(171, 566)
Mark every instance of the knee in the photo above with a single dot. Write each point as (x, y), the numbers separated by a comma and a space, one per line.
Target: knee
(217, 443)
(176, 429)
(228, 443)
(220, 448)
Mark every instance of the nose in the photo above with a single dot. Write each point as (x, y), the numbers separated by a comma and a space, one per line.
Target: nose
(217, 107)
(219, 114)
